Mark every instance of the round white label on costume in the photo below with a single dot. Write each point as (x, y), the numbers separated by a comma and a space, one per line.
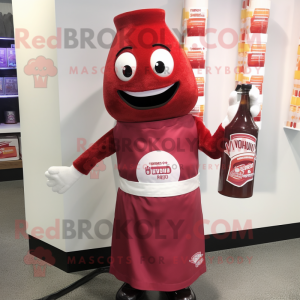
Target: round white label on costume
(158, 167)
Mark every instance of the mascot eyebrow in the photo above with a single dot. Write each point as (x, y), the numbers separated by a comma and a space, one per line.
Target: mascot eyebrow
(123, 50)
(162, 45)
(154, 45)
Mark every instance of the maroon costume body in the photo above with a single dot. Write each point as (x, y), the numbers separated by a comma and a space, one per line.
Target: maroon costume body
(158, 241)
(155, 238)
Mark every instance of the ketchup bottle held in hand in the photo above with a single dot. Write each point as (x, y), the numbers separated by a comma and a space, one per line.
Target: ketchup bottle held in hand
(239, 157)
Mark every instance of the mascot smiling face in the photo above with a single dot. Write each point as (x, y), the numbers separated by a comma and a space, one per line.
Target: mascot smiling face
(147, 74)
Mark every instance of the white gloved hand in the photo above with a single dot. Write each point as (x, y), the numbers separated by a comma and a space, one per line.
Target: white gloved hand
(62, 178)
(234, 105)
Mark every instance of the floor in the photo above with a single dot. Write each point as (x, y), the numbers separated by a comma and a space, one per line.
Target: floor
(269, 271)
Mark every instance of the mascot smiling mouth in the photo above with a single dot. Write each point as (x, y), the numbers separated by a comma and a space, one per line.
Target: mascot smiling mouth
(149, 99)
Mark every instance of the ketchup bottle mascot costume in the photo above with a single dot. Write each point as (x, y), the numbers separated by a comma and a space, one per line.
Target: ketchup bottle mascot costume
(150, 88)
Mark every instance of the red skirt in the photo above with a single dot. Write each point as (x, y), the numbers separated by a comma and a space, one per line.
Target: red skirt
(158, 243)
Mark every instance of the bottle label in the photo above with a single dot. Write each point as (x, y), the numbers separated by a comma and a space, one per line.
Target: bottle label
(241, 149)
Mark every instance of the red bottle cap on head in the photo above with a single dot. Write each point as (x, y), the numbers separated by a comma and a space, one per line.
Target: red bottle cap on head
(142, 34)
(140, 17)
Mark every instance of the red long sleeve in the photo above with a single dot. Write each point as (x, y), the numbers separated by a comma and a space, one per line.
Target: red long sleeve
(104, 147)
(211, 145)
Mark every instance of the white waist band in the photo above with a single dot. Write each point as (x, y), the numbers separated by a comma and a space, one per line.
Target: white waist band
(167, 189)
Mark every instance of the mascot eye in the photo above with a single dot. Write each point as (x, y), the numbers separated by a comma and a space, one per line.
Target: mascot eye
(125, 66)
(127, 71)
(159, 67)
(162, 62)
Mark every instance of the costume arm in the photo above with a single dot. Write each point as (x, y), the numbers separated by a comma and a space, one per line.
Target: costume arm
(211, 145)
(103, 148)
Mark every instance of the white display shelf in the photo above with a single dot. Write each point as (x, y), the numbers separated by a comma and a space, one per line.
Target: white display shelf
(9, 96)
(7, 68)
(297, 129)
(10, 128)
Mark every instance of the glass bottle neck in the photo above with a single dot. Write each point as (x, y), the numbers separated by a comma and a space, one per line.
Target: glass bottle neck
(244, 103)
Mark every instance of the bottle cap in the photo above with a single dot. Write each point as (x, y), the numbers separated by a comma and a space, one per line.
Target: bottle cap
(238, 87)
(246, 87)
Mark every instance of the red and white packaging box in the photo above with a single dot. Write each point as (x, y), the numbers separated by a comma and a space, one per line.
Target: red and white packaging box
(254, 58)
(9, 148)
(195, 9)
(258, 13)
(201, 86)
(194, 18)
(197, 59)
(194, 25)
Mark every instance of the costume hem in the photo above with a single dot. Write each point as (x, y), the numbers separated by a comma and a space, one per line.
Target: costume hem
(151, 286)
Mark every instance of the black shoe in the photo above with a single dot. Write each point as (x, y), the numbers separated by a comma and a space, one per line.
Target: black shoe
(184, 294)
(127, 292)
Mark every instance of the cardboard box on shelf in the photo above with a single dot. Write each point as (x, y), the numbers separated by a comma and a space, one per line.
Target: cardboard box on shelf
(11, 85)
(3, 58)
(9, 148)
(11, 57)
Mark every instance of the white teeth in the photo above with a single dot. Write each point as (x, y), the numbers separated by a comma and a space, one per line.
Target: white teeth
(148, 93)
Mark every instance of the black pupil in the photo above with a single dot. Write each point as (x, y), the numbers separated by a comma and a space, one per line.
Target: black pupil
(127, 71)
(159, 67)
